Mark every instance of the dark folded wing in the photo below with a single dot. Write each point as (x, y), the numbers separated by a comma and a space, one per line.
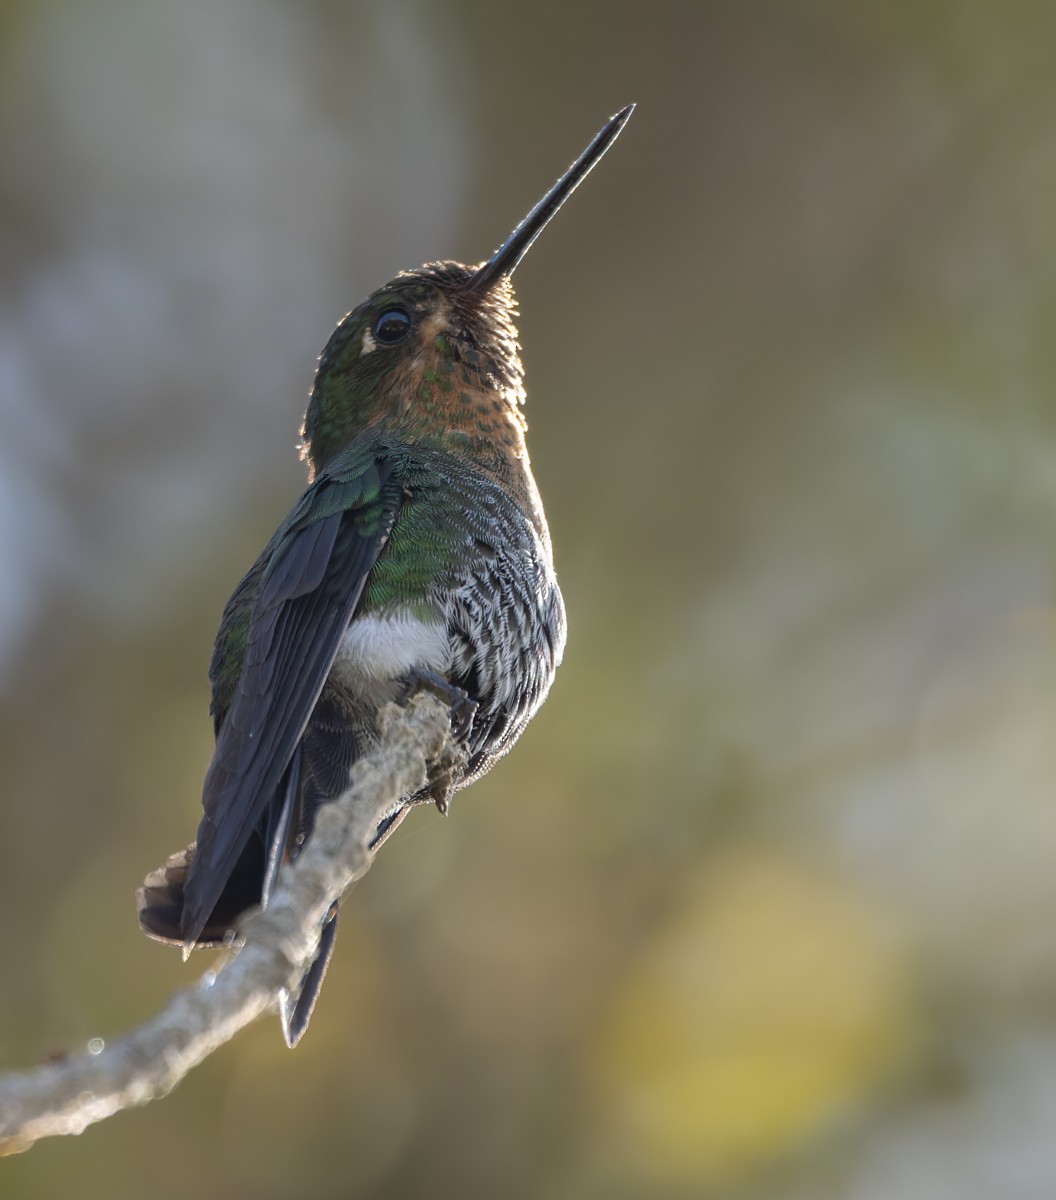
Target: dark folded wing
(307, 597)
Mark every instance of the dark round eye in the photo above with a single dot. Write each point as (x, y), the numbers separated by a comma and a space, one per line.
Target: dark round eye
(391, 326)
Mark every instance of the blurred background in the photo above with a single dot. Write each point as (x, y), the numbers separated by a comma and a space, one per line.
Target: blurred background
(762, 905)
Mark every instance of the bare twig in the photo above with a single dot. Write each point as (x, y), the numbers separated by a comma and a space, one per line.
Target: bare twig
(67, 1096)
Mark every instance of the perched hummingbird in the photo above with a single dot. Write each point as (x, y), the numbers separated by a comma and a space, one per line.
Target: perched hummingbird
(418, 556)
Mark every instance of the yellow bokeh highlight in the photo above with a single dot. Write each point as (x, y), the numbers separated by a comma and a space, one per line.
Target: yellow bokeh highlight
(773, 1003)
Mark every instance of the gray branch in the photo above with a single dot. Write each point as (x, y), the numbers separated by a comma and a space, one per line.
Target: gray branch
(67, 1096)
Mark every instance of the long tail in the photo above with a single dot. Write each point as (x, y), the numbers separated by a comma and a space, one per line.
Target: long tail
(297, 1004)
(161, 899)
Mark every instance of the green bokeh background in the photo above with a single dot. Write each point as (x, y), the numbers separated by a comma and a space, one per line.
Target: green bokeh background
(762, 904)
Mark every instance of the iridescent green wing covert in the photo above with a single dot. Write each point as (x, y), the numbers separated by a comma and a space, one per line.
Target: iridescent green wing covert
(313, 575)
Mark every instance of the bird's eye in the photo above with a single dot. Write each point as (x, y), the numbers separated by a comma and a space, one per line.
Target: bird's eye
(392, 326)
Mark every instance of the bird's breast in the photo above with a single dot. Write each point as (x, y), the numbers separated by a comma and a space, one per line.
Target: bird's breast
(382, 647)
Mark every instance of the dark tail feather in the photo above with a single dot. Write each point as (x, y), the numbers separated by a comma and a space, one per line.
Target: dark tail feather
(160, 904)
(296, 1005)
(317, 773)
(160, 900)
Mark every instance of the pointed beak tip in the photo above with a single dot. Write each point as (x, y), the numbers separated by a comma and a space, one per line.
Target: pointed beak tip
(504, 261)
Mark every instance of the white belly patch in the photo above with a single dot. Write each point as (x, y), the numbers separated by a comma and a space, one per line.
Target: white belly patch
(389, 646)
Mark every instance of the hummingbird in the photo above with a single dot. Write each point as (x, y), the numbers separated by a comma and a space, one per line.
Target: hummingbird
(419, 556)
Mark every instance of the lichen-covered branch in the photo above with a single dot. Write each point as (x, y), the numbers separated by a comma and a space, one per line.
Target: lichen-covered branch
(66, 1096)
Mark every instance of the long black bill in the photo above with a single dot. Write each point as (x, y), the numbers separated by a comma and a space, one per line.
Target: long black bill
(513, 249)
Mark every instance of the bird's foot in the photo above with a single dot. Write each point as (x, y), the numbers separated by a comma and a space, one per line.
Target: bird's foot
(463, 707)
(446, 771)
(440, 792)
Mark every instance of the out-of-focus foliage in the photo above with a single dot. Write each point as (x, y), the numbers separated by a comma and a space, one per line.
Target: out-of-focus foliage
(761, 1009)
(762, 905)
